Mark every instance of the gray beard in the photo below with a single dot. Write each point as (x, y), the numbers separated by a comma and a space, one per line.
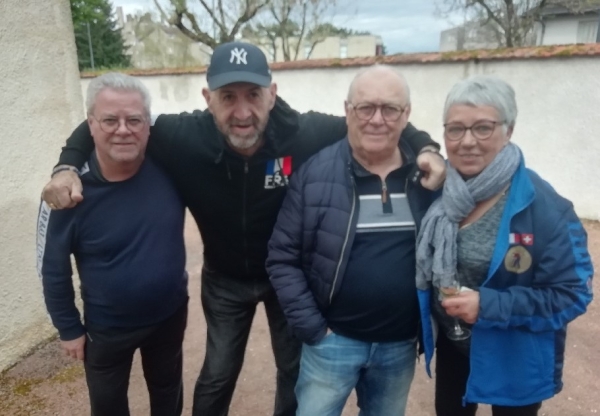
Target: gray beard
(242, 143)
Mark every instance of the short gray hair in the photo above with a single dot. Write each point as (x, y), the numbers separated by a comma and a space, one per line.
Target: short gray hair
(119, 82)
(377, 67)
(484, 90)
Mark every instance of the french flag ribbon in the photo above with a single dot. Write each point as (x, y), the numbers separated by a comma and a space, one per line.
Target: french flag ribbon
(524, 239)
(286, 165)
(283, 165)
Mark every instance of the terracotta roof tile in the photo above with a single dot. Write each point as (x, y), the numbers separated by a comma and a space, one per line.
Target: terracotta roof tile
(538, 52)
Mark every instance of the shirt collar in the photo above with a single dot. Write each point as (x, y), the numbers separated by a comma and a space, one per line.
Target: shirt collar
(360, 171)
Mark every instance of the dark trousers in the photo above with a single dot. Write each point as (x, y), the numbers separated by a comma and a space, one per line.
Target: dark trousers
(229, 305)
(108, 357)
(451, 374)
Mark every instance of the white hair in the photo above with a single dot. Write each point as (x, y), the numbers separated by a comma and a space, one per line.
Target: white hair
(484, 90)
(118, 82)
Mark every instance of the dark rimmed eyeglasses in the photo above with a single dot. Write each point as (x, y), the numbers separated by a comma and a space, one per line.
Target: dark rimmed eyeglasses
(110, 125)
(366, 111)
(481, 130)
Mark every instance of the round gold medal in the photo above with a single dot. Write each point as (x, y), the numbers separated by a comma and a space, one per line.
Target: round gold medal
(517, 260)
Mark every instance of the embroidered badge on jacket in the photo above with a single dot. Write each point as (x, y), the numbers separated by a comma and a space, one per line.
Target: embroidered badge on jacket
(278, 172)
(517, 260)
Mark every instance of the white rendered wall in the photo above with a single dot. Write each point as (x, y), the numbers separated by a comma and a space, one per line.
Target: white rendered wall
(558, 126)
(40, 103)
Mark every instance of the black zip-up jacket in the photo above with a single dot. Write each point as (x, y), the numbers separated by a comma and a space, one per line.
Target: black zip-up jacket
(234, 200)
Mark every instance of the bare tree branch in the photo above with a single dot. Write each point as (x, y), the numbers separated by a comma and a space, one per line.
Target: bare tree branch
(490, 13)
(228, 17)
(162, 13)
(211, 13)
(302, 22)
(247, 16)
(302, 29)
(222, 13)
(511, 21)
(198, 36)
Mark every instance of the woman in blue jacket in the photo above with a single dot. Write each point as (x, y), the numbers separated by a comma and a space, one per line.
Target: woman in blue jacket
(515, 250)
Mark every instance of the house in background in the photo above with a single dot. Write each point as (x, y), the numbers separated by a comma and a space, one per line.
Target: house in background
(557, 26)
(353, 46)
(151, 44)
(471, 35)
(560, 26)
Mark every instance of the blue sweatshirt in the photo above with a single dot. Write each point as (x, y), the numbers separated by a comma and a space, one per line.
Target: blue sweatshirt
(127, 241)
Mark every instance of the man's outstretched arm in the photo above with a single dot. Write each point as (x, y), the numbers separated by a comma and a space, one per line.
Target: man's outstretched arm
(78, 148)
(64, 189)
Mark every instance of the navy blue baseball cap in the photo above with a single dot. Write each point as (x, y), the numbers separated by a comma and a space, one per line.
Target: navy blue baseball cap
(238, 62)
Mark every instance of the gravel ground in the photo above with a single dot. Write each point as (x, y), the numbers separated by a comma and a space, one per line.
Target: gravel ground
(47, 383)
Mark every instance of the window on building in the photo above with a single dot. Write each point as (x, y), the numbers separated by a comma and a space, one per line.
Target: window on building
(343, 48)
(587, 31)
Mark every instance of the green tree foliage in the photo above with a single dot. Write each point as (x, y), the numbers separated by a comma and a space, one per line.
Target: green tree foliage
(93, 20)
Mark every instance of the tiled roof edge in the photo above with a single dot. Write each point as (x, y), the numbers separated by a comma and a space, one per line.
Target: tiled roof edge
(537, 52)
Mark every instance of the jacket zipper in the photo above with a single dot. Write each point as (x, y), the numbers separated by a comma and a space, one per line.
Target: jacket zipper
(337, 270)
(383, 191)
(244, 221)
(492, 272)
(410, 207)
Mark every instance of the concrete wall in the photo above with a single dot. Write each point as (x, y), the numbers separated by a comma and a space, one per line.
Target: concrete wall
(40, 104)
(558, 100)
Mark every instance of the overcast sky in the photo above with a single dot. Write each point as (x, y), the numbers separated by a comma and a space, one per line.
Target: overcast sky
(405, 25)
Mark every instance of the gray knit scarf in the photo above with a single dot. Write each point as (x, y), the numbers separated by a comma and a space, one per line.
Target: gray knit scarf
(436, 242)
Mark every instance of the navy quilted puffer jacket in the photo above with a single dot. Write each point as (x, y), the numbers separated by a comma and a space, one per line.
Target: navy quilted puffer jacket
(311, 242)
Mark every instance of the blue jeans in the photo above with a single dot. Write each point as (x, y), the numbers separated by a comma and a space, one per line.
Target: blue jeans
(380, 372)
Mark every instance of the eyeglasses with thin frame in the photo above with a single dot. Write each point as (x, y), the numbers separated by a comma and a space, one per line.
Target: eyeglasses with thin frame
(109, 125)
(481, 130)
(366, 111)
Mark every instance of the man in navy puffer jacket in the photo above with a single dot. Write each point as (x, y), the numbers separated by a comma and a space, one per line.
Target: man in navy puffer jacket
(342, 257)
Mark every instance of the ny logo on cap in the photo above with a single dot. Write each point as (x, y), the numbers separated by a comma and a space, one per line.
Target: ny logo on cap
(239, 55)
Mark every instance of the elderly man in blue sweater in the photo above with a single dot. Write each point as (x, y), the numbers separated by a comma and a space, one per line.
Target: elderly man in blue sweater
(342, 257)
(127, 240)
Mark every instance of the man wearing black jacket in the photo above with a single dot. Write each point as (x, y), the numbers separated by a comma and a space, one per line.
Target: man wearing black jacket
(231, 165)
